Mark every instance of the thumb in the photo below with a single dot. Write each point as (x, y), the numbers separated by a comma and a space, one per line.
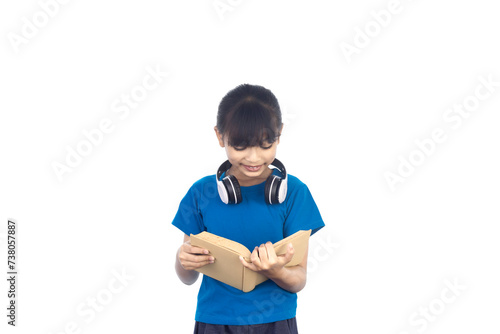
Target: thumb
(287, 257)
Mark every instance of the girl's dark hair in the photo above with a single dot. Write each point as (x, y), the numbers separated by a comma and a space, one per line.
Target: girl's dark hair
(249, 115)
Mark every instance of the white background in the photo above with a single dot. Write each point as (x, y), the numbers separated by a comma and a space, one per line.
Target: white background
(346, 124)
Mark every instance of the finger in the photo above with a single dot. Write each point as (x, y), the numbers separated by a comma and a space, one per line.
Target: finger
(287, 257)
(263, 254)
(196, 261)
(199, 258)
(195, 250)
(194, 258)
(254, 257)
(271, 253)
(195, 266)
(246, 264)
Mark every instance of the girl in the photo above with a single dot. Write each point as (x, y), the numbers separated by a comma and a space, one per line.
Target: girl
(248, 202)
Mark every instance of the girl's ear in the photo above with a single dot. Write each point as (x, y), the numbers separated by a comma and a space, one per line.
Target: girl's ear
(219, 137)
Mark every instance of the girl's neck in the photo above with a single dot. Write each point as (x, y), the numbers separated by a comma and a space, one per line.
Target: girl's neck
(246, 181)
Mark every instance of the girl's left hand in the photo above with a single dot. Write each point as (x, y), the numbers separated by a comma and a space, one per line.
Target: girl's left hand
(265, 261)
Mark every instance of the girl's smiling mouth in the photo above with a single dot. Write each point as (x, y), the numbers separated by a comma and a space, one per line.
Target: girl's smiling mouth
(253, 168)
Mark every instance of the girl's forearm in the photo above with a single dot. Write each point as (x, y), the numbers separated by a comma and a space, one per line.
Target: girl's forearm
(186, 276)
(292, 279)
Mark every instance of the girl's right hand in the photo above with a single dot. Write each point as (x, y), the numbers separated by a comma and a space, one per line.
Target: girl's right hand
(191, 257)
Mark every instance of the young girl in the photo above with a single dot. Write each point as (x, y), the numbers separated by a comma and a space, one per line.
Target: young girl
(250, 203)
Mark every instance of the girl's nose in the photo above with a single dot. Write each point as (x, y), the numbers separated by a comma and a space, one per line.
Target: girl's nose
(253, 154)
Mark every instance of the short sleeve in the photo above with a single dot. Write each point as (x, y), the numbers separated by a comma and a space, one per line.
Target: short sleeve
(188, 217)
(302, 212)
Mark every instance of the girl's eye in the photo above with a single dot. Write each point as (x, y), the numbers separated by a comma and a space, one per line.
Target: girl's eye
(242, 148)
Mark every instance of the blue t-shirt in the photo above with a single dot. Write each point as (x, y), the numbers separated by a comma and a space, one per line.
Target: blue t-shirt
(251, 223)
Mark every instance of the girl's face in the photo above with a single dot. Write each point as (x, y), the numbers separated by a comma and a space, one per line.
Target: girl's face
(249, 165)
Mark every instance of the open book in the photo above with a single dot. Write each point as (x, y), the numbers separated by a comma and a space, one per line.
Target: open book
(227, 267)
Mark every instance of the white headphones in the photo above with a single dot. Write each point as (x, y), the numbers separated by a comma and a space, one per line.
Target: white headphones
(230, 192)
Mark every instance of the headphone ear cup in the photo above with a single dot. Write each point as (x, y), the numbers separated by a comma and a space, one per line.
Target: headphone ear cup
(221, 188)
(273, 184)
(283, 188)
(233, 190)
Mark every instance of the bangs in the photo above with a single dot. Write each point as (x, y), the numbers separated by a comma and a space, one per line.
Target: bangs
(251, 124)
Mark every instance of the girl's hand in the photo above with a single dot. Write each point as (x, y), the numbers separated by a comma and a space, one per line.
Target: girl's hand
(265, 261)
(191, 257)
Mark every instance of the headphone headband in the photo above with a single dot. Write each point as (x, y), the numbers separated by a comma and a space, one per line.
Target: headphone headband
(223, 168)
(276, 163)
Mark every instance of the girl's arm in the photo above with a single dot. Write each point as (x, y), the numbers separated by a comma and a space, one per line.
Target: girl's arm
(189, 258)
(266, 262)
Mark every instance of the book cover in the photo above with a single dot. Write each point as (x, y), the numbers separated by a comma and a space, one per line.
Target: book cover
(227, 267)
